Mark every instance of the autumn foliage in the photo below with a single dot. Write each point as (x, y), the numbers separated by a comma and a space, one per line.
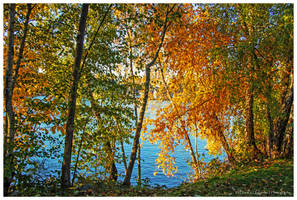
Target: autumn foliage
(220, 72)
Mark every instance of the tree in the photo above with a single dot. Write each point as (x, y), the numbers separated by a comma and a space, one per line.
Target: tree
(7, 91)
(222, 72)
(104, 97)
(144, 103)
(196, 88)
(256, 62)
(65, 178)
(284, 33)
(11, 76)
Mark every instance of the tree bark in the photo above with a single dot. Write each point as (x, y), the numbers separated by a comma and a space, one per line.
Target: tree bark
(286, 104)
(249, 118)
(139, 165)
(113, 174)
(65, 178)
(20, 56)
(282, 121)
(124, 156)
(288, 147)
(271, 130)
(135, 105)
(224, 143)
(10, 81)
(93, 40)
(249, 122)
(138, 129)
(142, 111)
(226, 148)
(192, 154)
(8, 100)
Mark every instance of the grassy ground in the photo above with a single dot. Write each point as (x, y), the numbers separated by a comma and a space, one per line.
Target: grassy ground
(270, 178)
(264, 179)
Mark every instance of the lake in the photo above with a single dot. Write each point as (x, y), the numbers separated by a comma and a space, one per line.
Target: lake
(149, 153)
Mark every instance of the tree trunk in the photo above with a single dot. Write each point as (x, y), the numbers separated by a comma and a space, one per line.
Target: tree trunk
(135, 105)
(113, 174)
(226, 148)
(145, 99)
(65, 178)
(192, 155)
(139, 165)
(10, 81)
(8, 91)
(124, 156)
(93, 40)
(289, 151)
(270, 137)
(225, 143)
(251, 56)
(113, 170)
(138, 128)
(20, 56)
(8, 102)
(249, 122)
(288, 147)
(282, 121)
(271, 130)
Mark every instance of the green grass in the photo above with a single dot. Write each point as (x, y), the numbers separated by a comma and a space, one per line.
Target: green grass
(264, 179)
(269, 178)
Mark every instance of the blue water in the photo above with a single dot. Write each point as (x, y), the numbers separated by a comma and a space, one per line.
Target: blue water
(149, 154)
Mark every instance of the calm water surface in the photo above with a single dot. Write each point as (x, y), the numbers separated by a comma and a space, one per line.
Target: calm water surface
(149, 154)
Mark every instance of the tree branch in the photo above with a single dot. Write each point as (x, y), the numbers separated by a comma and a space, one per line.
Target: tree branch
(162, 39)
(93, 40)
(20, 56)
